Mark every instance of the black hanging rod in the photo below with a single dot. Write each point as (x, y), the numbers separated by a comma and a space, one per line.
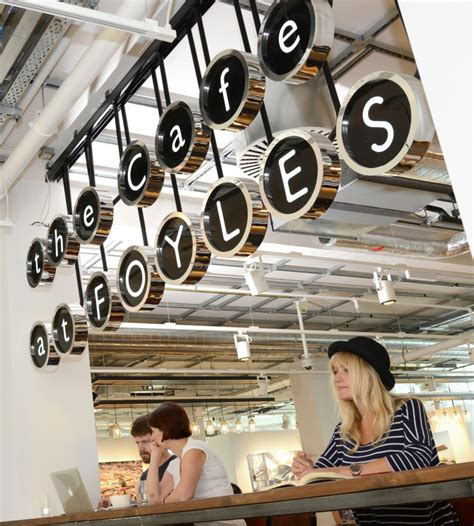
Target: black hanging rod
(183, 19)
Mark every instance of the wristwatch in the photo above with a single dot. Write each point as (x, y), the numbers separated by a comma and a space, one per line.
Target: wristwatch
(355, 469)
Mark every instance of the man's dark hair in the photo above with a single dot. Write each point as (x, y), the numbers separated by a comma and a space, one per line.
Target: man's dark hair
(140, 426)
(171, 419)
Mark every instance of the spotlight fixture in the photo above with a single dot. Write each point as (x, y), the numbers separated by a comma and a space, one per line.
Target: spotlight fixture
(242, 346)
(254, 274)
(384, 288)
(263, 383)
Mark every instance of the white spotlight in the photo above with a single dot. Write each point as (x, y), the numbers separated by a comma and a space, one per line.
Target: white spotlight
(252, 425)
(195, 429)
(254, 274)
(224, 427)
(210, 429)
(242, 346)
(238, 426)
(384, 288)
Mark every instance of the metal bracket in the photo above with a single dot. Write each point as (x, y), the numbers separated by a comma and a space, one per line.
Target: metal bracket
(11, 111)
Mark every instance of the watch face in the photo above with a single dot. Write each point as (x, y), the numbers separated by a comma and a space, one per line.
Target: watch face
(376, 123)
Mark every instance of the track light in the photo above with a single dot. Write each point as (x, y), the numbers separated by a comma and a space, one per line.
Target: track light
(242, 346)
(254, 274)
(384, 288)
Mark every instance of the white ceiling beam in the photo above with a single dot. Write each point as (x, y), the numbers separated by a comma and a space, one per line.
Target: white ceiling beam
(147, 28)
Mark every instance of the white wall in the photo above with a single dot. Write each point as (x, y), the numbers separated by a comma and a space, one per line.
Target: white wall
(117, 450)
(47, 419)
(233, 449)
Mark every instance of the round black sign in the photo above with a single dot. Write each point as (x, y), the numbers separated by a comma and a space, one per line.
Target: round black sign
(98, 298)
(174, 135)
(290, 174)
(295, 39)
(38, 268)
(58, 239)
(93, 217)
(232, 91)
(40, 347)
(63, 330)
(140, 181)
(225, 217)
(376, 123)
(139, 285)
(175, 248)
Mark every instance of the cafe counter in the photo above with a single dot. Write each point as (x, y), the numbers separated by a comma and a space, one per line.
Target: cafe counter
(422, 485)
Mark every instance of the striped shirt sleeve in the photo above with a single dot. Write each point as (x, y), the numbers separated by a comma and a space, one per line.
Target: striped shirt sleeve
(331, 456)
(419, 449)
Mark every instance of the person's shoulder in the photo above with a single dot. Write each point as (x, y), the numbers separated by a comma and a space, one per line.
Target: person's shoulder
(409, 406)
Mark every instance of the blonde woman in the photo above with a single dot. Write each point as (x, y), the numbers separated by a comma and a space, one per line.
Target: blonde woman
(378, 432)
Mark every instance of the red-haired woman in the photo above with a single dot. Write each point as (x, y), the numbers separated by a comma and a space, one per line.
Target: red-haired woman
(197, 473)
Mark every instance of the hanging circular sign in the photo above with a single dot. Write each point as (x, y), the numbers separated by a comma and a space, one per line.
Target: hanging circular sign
(140, 181)
(62, 245)
(295, 39)
(300, 174)
(232, 91)
(384, 124)
(181, 140)
(139, 286)
(233, 219)
(181, 255)
(93, 216)
(39, 270)
(42, 351)
(70, 330)
(102, 304)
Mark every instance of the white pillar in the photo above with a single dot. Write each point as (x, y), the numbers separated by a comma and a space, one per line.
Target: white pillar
(47, 419)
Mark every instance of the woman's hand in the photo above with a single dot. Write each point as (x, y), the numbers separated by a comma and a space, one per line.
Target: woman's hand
(302, 464)
(155, 454)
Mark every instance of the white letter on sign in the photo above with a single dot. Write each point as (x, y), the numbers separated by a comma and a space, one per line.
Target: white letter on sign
(97, 300)
(41, 350)
(282, 37)
(63, 325)
(286, 176)
(175, 244)
(379, 148)
(134, 187)
(88, 212)
(135, 293)
(223, 88)
(225, 235)
(178, 141)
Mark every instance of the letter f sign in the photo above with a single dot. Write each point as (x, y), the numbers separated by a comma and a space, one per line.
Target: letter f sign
(223, 88)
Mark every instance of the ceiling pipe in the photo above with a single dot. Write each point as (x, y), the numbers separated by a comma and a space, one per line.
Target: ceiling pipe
(456, 245)
(427, 351)
(193, 372)
(99, 53)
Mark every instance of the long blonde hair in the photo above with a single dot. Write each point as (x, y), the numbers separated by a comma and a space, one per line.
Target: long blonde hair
(367, 392)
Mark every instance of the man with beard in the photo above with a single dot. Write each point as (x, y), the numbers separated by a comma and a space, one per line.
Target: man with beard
(141, 433)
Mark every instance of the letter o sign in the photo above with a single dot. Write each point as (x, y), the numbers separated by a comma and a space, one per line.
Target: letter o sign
(139, 285)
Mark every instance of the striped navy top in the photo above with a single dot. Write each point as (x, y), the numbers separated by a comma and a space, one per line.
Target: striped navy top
(408, 444)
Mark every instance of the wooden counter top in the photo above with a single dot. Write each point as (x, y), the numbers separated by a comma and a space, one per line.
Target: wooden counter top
(421, 485)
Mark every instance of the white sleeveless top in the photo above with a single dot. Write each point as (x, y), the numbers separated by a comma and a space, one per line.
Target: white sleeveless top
(213, 481)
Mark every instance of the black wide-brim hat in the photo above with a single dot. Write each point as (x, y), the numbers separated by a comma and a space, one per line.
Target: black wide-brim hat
(370, 351)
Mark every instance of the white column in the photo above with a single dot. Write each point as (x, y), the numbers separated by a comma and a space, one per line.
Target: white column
(47, 419)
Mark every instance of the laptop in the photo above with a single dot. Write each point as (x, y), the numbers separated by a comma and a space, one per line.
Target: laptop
(71, 491)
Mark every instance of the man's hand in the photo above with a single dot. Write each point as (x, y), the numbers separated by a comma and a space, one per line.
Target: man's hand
(302, 464)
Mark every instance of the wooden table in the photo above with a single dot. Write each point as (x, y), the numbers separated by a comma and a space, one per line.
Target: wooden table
(439, 483)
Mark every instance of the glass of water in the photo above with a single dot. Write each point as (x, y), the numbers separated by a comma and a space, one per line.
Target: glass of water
(142, 494)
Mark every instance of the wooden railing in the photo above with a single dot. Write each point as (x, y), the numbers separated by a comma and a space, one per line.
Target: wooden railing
(421, 485)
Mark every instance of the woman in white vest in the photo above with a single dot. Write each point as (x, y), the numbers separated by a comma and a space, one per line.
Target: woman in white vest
(197, 473)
